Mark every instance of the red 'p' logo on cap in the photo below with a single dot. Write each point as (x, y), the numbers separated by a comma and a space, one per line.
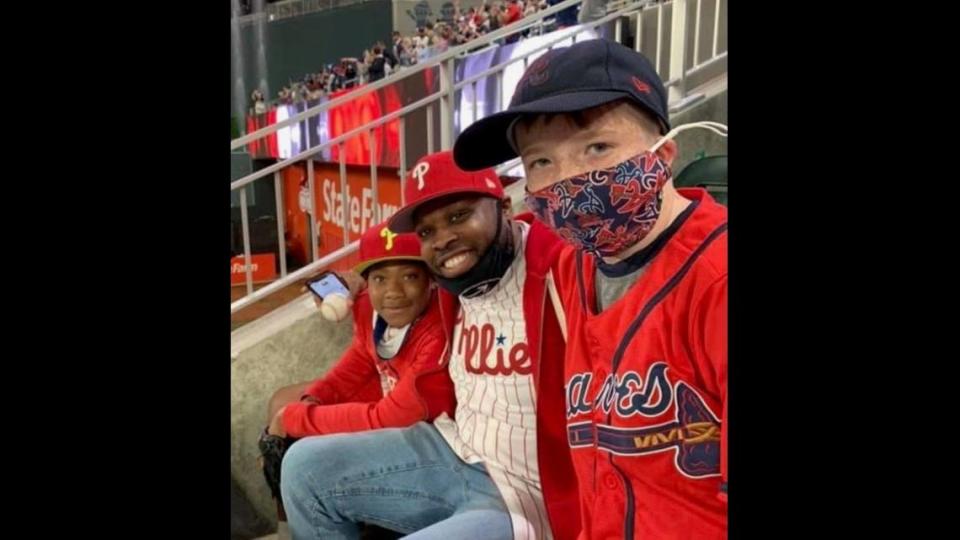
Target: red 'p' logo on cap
(419, 171)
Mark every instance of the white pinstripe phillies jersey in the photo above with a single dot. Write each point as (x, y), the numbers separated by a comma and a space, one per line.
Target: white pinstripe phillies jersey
(492, 374)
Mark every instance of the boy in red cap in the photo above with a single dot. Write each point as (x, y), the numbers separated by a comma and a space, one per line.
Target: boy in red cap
(394, 373)
(500, 467)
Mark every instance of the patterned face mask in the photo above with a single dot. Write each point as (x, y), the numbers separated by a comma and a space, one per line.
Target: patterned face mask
(606, 211)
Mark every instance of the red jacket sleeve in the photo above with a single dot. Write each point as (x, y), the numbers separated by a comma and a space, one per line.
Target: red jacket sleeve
(353, 378)
(423, 391)
(711, 333)
(432, 385)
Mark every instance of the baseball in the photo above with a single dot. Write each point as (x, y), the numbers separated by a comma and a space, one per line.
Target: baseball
(334, 308)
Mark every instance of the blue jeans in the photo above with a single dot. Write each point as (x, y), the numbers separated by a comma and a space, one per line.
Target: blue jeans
(408, 480)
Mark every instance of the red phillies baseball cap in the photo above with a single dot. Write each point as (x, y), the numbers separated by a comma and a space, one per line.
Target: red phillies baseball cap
(437, 175)
(380, 244)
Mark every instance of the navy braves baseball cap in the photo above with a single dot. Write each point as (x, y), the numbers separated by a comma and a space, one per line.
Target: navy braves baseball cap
(568, 79)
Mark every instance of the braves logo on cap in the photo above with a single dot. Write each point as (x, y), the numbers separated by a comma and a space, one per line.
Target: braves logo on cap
(535, 75)
(419, 171)
(388, 237)
(640, 85)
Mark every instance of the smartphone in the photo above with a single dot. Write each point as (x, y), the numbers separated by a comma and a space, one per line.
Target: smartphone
(328, 283)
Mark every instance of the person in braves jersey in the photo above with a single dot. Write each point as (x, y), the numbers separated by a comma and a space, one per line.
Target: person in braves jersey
(499, 467)
(643, 284)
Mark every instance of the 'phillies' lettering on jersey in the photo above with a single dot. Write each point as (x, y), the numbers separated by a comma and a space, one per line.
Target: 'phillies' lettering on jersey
(481, 356)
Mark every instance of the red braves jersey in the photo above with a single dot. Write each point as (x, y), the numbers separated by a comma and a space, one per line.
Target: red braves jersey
(646, 387)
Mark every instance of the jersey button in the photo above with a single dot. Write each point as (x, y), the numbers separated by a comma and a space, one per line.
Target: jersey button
(610, 481)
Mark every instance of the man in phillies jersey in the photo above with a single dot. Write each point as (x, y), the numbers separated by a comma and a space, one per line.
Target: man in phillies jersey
(499, 468)
(643, 284)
